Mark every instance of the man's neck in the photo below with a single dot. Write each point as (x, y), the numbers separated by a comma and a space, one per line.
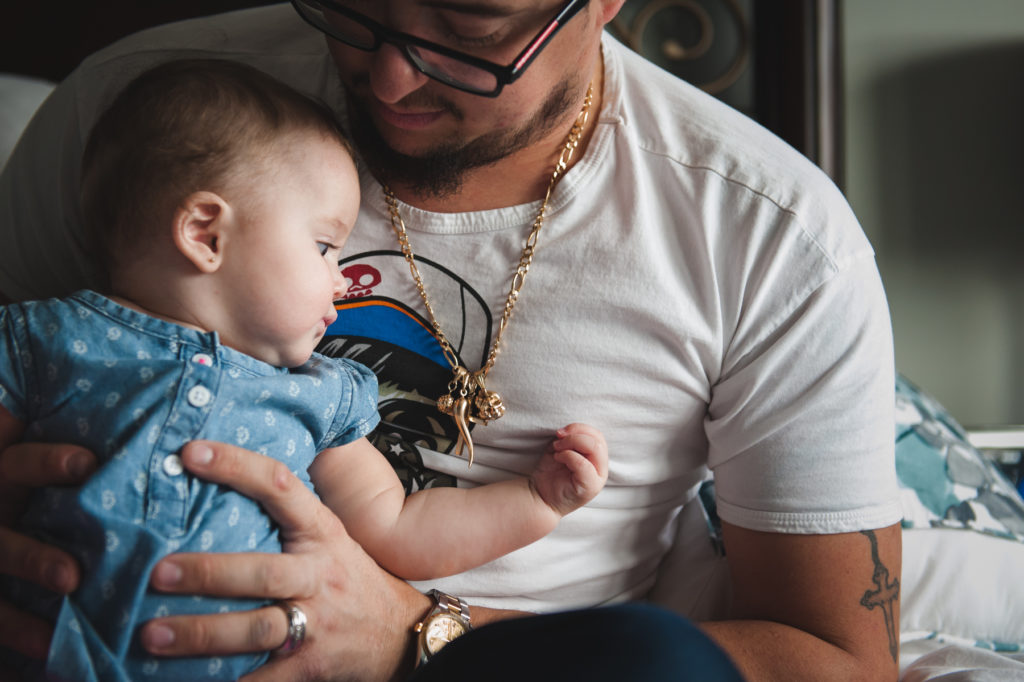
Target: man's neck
(489, 187)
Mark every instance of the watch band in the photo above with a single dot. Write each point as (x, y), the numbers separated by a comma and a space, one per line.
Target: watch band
(452, 604)
(447, 619)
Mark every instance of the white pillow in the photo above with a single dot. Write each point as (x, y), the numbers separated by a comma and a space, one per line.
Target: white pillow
(20, 96)
(962, 587)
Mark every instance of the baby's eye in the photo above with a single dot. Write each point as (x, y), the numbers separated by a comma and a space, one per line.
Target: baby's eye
(324, 247)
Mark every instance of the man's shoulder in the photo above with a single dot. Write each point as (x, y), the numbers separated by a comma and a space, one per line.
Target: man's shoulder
(697, 139)
(672, 118)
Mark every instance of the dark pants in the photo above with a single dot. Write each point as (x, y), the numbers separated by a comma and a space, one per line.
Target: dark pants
(627, 643)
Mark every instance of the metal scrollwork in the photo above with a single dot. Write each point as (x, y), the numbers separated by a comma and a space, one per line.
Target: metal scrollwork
(681, 36)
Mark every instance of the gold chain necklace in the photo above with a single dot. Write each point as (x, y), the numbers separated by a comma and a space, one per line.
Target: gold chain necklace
(468, 399)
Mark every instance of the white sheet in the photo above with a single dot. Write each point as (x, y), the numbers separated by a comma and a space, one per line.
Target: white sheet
(955, 663)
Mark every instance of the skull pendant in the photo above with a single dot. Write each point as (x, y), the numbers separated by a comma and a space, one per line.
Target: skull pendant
(487, 406)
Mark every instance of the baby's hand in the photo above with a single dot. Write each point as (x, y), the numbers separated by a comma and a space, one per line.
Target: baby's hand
(573, 469)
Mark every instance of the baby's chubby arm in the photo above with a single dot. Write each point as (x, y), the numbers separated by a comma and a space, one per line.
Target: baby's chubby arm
(443, 531)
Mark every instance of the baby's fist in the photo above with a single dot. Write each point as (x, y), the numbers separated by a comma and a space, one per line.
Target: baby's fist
(574, 468)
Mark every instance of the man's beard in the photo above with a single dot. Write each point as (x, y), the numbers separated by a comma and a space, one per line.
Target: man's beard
(440, 171)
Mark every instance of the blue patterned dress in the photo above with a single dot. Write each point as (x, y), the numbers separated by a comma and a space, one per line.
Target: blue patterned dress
(135, 389)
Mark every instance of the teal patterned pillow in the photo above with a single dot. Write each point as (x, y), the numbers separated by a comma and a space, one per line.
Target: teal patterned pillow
(963, 554)
(945, 481)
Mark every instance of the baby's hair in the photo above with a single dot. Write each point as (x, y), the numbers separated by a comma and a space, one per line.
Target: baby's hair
(182, 127)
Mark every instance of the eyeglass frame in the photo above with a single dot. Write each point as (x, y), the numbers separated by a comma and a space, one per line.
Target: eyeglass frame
(504, 75)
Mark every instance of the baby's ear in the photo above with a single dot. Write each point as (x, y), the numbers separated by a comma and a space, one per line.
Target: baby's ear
(199, 223)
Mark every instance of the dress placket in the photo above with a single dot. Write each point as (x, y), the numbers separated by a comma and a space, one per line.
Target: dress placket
(169, 482)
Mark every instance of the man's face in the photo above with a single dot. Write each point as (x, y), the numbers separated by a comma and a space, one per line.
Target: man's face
(413, 129)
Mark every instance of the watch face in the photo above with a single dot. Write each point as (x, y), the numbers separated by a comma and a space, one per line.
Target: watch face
(441, 629)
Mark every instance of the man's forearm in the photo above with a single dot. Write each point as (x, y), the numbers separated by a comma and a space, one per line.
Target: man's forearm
(813, 607)
(481, 615)
(766, 651)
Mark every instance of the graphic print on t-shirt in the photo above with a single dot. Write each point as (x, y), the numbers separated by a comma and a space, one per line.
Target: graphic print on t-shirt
(380, 325)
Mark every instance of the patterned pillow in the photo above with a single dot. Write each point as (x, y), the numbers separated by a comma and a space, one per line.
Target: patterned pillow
(963, 545)
(945, 481)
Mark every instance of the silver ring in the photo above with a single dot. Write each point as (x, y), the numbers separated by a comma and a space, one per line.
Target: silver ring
(296, 627)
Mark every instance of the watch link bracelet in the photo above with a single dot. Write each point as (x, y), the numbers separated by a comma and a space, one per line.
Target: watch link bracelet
(448, 619)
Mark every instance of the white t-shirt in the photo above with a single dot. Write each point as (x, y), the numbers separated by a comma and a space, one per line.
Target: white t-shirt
(701, 293)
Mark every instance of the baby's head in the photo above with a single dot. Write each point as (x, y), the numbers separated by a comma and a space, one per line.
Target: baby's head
(211, 183)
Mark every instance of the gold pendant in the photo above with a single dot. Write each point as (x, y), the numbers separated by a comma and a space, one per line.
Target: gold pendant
(468, 400)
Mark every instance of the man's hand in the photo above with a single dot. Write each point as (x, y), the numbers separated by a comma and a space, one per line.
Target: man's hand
(360, 617)
(23, 467)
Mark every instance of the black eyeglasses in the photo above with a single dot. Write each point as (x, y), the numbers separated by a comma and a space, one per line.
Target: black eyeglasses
(451, 67)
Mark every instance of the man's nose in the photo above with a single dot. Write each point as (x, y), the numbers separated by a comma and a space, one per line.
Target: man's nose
(392, 75)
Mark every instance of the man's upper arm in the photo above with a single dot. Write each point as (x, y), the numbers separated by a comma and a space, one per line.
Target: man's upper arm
(843, 589)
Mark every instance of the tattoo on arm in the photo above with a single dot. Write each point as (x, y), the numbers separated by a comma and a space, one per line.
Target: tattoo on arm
(885, 595)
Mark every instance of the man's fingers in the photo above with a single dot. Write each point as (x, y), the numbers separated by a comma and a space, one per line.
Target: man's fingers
(272, 576)
(24, 632)
(293, 506)
(25, 466)
(29, 559)
(214, 635)
(288, 669)
(34, 465)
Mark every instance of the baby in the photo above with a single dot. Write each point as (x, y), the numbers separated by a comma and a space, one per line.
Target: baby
(218, 201)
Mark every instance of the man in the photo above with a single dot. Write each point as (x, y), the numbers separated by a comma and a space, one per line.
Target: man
(694, 287)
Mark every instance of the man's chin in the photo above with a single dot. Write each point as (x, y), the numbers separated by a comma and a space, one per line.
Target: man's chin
(432, 174)
(435, 171)
(438, 168)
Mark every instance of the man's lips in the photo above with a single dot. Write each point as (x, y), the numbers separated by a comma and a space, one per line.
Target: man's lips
(414, 120)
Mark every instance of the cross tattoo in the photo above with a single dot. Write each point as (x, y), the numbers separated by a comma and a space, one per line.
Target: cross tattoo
(884, 596)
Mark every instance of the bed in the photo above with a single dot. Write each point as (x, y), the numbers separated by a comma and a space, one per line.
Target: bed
(962, 594)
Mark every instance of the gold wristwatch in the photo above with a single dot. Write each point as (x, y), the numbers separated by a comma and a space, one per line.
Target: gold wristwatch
(447, 620)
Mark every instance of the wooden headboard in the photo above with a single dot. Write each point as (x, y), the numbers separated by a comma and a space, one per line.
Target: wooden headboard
(778, 61)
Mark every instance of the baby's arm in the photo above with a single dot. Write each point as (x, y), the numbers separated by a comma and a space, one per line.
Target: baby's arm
(442, 531)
